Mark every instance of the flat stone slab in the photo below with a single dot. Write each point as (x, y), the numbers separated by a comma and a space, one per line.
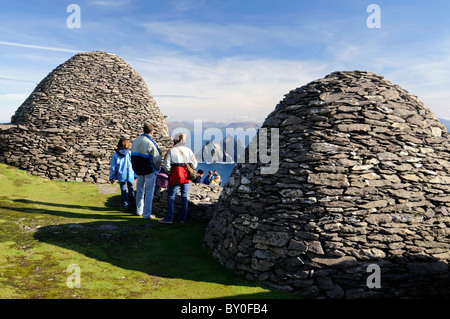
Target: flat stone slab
(108, 189)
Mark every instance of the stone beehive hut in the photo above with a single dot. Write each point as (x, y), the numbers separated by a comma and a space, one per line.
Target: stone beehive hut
(362, 194)
(69, 126)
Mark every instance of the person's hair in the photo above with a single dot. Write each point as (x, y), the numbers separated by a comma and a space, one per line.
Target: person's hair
(180, 138)
(123, 142)
(200, 171)
(148, 128)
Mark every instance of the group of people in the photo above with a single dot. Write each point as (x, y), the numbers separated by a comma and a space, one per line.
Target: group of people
(142, 163)
(210, 179)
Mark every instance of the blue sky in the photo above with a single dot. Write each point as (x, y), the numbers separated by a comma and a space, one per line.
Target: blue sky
(230, 60)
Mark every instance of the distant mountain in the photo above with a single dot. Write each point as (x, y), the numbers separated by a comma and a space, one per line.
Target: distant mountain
(215, 132)
(206, 125)
(229, 150)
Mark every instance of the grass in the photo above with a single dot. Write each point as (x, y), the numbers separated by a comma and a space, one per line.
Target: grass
(46, 226)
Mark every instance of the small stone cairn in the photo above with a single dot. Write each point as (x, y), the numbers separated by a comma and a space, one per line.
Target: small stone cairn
(363, 184)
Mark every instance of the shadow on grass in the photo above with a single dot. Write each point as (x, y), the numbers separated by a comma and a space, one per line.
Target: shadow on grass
(131, 243)
(70, 211)
(177, 251)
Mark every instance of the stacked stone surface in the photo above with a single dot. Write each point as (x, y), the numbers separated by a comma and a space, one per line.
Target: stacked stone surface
(68, 128)
(364, 179)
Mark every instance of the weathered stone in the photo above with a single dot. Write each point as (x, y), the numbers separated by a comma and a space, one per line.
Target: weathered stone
(315, 247)
(375, 204)
(443, 199)
(297, 245)
(306, 235)
(262, 265)
(378, 218)
(436, 131)
(353, 127)
(331, 97)
(342, 262)
(440, 180)
(265, 254)
(333, 180)
(361, 167)
(368, 254)
(387, 157)
(271, 238)
(325, 147)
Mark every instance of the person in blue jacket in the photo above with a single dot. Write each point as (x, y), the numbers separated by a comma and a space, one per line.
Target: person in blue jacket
(208, 178)
(122, 171)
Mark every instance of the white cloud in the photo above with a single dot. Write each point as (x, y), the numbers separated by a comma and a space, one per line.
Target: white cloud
(188, 87)
(240, 87)
(208, 37)
(225, 89)
(39, 47)
(200, 36)
(16, 80)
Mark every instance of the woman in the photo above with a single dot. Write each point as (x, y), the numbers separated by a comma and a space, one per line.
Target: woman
(215, 181)
(175, 164)
(122, 171)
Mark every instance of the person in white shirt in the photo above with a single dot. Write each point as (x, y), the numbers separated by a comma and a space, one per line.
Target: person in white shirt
(146, 162)
(175, 163)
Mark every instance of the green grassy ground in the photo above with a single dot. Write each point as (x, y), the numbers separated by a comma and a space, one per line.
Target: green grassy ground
(46, 226)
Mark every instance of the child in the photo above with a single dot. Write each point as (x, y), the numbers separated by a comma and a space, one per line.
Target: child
(122, 171)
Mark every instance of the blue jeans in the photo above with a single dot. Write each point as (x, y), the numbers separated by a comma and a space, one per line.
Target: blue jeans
(145, 190)
(127, 193)
(171, 193)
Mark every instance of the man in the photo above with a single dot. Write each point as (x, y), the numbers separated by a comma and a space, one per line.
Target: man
(208, 178)
(199, 178)
(146, 162)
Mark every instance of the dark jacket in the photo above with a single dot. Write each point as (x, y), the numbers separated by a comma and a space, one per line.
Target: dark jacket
(145, 155)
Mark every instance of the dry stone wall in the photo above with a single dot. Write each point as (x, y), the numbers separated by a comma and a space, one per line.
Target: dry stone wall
(363, 182)
(69, 126)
